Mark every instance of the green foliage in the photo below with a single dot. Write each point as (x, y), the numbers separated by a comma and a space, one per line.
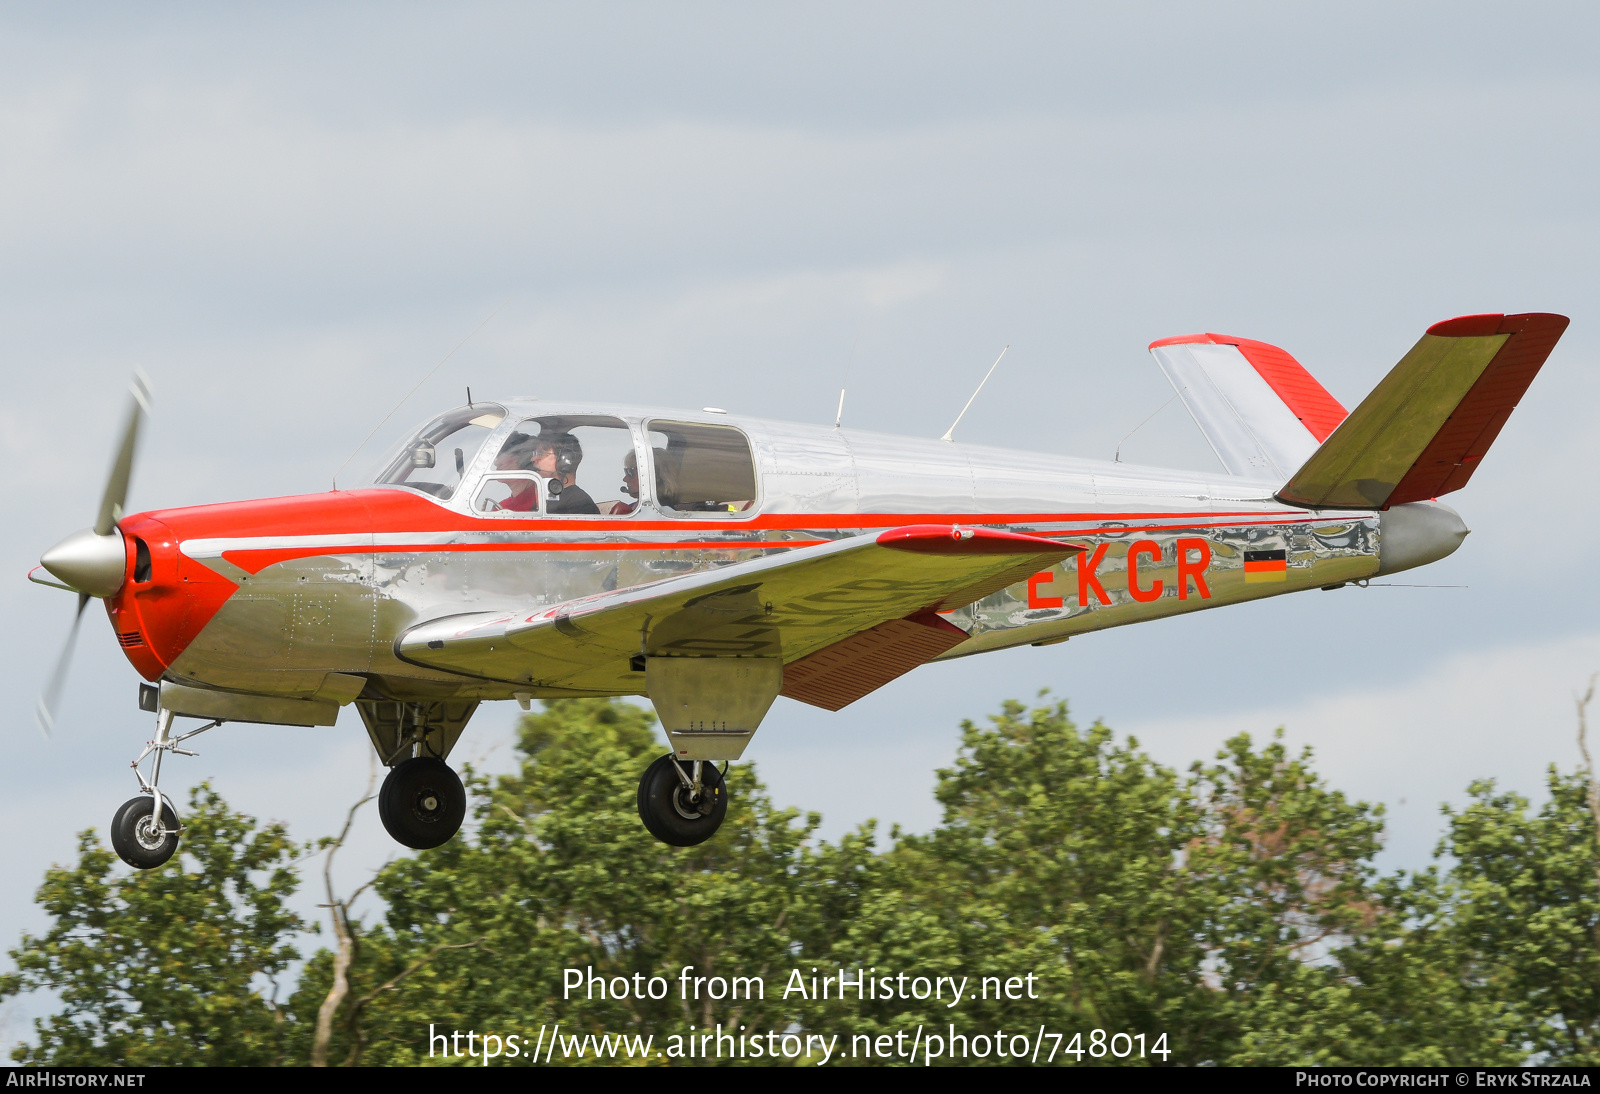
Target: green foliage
(1400, 992)
(1233, 907)
(1523, 902)
(1059, 855)
(1142, 901)
(560, 874)
(160, 967)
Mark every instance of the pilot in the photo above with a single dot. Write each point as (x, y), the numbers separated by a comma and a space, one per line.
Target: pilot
(517, 454)
(556, 456)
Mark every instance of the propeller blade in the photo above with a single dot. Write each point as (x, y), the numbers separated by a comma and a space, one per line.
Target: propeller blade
(46, 711)
(122, 468)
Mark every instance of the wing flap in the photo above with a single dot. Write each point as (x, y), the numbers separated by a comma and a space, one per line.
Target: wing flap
(836, 676)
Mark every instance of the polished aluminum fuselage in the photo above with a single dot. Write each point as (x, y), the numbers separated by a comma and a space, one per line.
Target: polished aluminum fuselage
(339, 598)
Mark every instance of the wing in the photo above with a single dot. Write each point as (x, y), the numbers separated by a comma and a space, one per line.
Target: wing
(1262, 413)
(845, 617)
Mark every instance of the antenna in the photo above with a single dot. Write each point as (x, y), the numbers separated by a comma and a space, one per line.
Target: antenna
(420, 382)
(948, 433)
(1118, 457)
(839, 417)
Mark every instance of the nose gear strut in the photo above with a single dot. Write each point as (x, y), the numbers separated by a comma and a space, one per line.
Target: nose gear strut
(145, 830)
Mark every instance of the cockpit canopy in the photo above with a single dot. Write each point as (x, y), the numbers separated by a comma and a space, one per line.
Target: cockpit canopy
(576, 464)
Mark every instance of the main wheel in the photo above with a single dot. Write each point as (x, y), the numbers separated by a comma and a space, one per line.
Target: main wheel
(422, 802)
(137, 839)
(671, 812)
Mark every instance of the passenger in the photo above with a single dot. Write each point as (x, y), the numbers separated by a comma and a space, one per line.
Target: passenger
(666, 480)
(630, 486)
(556, 456)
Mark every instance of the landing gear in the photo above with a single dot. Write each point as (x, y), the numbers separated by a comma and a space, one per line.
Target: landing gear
(141, 840)
(138, 837)
(682, 803)
(422, 802)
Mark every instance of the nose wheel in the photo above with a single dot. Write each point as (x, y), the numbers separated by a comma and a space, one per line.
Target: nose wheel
(422, 802)
(682, 804)
(139, 838)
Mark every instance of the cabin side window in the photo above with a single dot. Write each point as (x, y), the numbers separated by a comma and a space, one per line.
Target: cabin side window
(702, 469)
(578, 464)
(515, 495)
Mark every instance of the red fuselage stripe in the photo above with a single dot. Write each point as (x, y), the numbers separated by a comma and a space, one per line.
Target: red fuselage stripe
(254, 560)
(807, 521)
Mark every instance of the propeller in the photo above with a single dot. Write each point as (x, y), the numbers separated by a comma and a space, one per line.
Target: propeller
(116, 494)
(91, 562)
(46, 711)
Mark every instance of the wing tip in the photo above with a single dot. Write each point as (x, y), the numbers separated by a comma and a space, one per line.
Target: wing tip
(1180, 340)
(1212, 338)
(1491, 323)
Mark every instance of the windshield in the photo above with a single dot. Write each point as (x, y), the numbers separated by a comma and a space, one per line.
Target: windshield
(437, 456)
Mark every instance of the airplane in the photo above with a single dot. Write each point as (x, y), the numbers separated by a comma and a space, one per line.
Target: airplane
(739, 559)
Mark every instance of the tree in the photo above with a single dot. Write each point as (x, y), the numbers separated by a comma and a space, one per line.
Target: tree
(1233, 908)
(1522, 903)
(161, 967)
(1056, 858)
(557, 874)
(1402, 992)
(1141, 901)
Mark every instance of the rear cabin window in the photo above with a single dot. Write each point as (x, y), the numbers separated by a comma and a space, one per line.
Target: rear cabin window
(701, 469)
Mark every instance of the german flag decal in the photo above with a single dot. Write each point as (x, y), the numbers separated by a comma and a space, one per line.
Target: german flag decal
(1265, 566)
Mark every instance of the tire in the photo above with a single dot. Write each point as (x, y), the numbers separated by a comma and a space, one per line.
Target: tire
(667, 812)
(422, 803)
(131, 839)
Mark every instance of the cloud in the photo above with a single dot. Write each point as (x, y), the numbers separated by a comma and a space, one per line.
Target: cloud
(1504, 713)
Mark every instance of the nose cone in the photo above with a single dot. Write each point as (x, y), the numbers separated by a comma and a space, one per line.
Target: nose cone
(89, 563)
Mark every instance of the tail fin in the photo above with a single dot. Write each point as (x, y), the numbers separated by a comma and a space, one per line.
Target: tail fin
(1262, 413)
(1424, 428)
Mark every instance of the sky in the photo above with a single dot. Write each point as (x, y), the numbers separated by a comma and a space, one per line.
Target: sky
(287, 215)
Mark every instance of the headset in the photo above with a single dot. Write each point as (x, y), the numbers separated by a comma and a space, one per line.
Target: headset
(569, 453)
